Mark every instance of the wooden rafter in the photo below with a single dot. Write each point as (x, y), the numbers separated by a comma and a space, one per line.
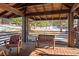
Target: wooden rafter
(17, 5)
(10, 8)
(74, 7)
(66, 5)
(11, 15)
(48, 12)
(4, 12)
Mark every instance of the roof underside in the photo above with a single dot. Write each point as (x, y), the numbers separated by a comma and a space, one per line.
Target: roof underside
(37, 11)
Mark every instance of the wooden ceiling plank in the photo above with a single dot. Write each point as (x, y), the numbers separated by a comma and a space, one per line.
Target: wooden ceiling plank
(37, 11)
(52, 9)
(10, 8)
(45, 11)
(48, 12)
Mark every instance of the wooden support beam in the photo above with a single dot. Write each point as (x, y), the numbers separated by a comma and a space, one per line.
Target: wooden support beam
(74, 7)
(10, 8)
(49, 12)
(70, 30)
(62, 18)
(27, 28)
(24, 27)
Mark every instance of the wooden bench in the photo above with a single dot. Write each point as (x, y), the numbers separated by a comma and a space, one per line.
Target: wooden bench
(48, 39)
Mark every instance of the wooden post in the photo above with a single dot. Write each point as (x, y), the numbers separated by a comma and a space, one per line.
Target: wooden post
(24, 26)
(27, 28)
(70, 30)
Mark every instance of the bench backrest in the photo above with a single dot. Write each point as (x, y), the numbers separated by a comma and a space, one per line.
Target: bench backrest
(45, 37)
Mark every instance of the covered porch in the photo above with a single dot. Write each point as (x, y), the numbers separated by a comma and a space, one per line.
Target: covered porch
(44, 11)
